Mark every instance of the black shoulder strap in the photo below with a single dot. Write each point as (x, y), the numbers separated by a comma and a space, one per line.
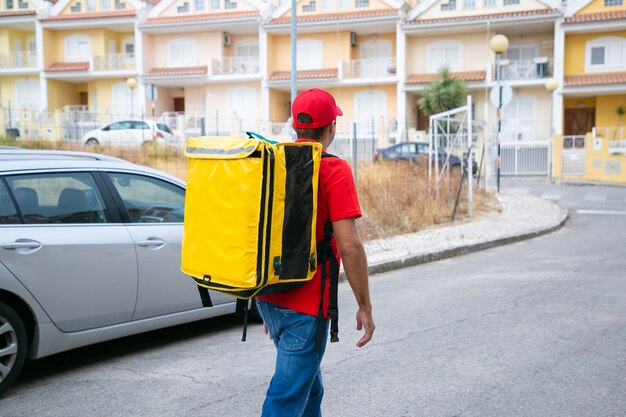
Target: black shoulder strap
(325, 253)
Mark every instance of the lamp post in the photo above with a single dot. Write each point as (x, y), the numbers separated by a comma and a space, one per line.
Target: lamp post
(551, 85)
(132, 83)
(499, 44)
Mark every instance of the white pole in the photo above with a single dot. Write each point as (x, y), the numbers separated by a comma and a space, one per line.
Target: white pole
(470, 176)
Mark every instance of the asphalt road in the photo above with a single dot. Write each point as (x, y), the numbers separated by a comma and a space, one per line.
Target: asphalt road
(537, 328)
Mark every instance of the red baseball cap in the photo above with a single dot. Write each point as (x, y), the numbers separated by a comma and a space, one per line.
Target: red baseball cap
(317, 103)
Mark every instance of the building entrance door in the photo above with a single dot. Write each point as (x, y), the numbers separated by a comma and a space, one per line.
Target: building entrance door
(579, 121)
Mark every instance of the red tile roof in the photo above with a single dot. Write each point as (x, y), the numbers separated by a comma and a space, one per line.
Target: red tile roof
(14, 13)
(596, 17)
(68, 66)
(331, 17)
(594, 79)
(465, 76)
(175, 72)
(94, 15)
(305, 75)
(493, 16)
(200, 17)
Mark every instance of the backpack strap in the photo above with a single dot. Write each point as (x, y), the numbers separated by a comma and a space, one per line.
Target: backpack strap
(325, 253)
(205, 297)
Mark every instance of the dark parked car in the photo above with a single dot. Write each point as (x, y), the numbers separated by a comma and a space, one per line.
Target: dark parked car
(415, 151)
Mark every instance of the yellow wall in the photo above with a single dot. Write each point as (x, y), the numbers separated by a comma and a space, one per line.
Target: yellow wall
(574, 60)
(279, 102)
(579, 103)
(3, 6)
(61, 93)
(597, 6)
(54, 41)
(336, 47)
(8, 36)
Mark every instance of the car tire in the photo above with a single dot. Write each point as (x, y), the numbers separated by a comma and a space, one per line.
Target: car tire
(92, 142)
(13, 346)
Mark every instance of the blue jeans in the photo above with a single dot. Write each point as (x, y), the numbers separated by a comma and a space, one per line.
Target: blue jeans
(296, 389)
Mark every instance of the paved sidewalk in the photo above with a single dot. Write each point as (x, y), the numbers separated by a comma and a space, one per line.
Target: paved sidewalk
(522, 216)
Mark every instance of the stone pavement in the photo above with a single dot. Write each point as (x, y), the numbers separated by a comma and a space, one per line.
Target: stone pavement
(521, 216)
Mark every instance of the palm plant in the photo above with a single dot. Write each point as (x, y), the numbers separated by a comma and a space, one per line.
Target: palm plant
(445, 93)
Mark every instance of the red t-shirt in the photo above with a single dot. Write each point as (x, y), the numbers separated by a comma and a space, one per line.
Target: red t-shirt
(336, 200)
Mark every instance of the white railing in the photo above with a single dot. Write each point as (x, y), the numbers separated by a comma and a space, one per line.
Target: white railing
(617, 146)
(20, 59)
(113, 62)
(370, 68)
(528, 69)
(235, 65)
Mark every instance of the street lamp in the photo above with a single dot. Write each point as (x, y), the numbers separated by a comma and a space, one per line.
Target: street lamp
(132, 83)
(551, 85)
(499, 44)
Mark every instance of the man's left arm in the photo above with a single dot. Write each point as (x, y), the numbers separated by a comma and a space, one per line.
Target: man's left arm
(355, 264)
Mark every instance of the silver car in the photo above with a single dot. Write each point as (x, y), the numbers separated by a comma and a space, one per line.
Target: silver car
(90, 250)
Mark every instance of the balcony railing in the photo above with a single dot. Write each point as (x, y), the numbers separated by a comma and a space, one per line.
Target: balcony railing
(370, 68)
(529, 69)
(237, 65)
(113, 62)
(20, 59)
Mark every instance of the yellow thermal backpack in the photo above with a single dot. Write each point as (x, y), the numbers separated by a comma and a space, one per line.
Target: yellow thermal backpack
(250, 216)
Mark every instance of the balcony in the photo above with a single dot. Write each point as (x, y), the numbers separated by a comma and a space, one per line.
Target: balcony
(370, 68)
(113, 62)
(20, 59)
(526, 70)
(237, 65)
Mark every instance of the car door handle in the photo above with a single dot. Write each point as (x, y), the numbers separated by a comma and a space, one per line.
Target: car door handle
(30, 244)
(152, 242)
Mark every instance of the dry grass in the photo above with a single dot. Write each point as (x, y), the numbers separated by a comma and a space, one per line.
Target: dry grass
(395, 197)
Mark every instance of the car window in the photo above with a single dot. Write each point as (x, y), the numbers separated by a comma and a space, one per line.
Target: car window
(404, 149)
(422, 148)
(141, 125)
(148, 199)
(121, 125)
(58, 198)
(164, 128)
(8, 212)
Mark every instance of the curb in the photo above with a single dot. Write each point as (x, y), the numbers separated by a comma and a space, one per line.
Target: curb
(414, 260)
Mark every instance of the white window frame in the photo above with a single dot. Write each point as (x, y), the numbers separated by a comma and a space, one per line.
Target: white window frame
(128, 60)
(179, 44)
(612, 45)
(310, 54)
(445, 45)
(489, 3)
(72, 40)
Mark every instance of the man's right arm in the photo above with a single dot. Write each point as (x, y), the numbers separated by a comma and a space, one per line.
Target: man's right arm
(355, 264)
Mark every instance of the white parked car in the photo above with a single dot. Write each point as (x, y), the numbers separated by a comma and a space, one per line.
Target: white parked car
(129, 133)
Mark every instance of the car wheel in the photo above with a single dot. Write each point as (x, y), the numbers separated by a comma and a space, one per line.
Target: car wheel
(13, 346)
(91, 142)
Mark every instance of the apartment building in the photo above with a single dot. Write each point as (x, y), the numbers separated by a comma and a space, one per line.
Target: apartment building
(225, 65)
(593, 34)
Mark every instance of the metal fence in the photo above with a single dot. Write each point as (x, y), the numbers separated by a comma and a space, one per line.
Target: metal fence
(574, 156)
(525, 158)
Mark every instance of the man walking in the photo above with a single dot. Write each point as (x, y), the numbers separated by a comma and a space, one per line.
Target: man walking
(290, 317)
